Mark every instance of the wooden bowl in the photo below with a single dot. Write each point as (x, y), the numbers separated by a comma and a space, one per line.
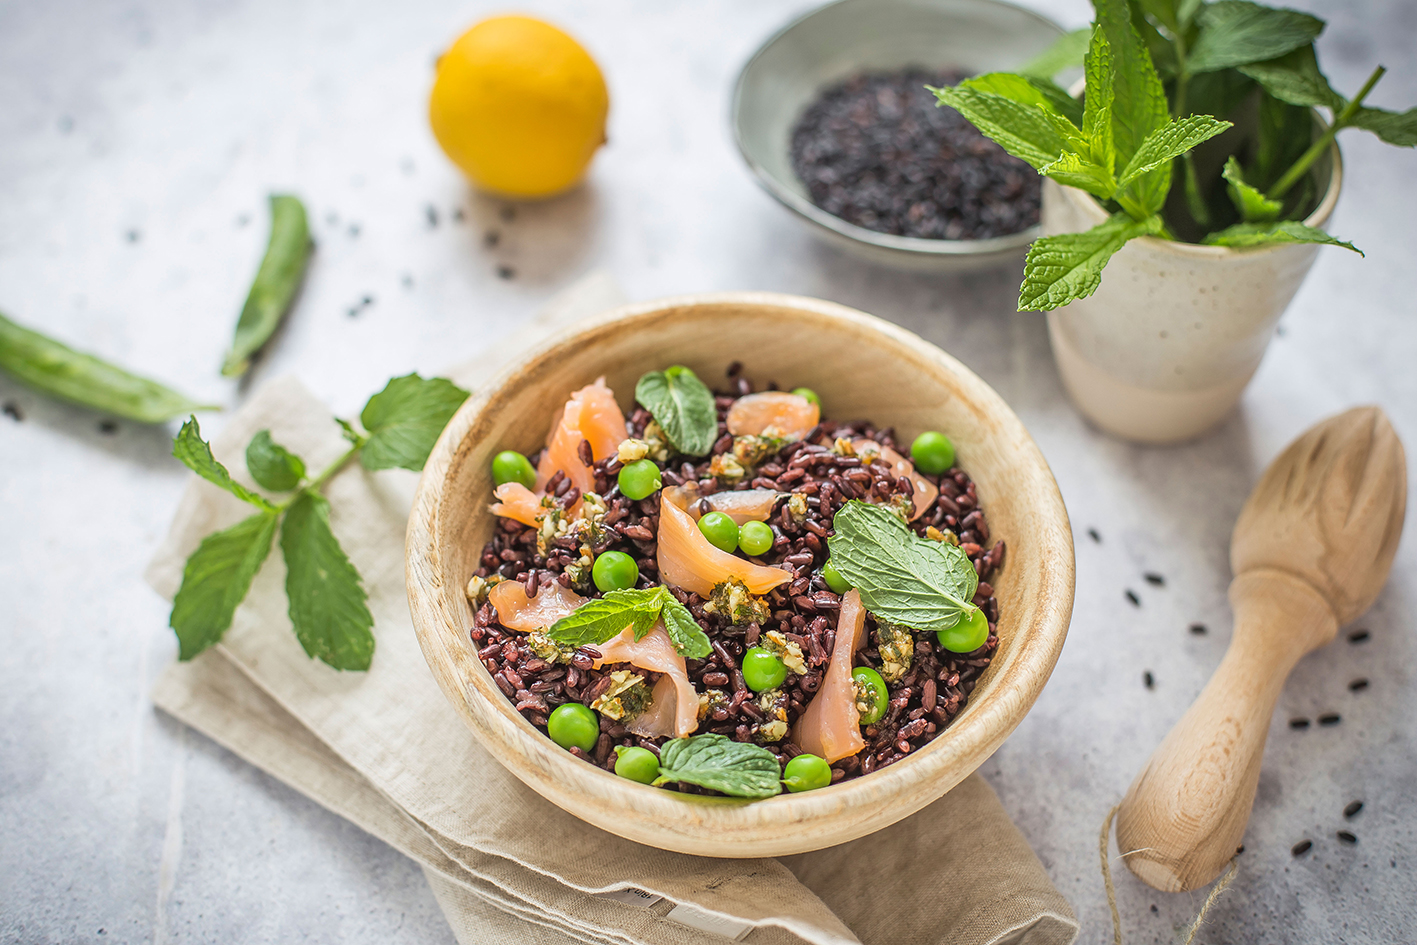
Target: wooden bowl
(862, 367)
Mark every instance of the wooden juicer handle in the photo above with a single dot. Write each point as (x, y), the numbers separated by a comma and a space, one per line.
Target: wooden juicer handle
(1311, 550)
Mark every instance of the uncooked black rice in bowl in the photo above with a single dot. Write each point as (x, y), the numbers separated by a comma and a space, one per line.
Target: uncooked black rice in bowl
(728, 593)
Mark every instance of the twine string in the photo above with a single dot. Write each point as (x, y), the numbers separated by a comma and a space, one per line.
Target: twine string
(1215, 891)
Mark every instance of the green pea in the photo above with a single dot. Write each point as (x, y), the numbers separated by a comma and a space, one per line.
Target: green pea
(762, 670)
(806, 773)
(810, 394)
(755, 538)
(614, 571)
(932, 452)
(966, 636)
(639, 480)
(511, 466)
(720, 530)
(869, 677)
(573, 726)
(834, 579)
(636, 764)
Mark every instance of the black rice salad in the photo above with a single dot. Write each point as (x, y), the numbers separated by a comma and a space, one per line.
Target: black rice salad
(726, 593)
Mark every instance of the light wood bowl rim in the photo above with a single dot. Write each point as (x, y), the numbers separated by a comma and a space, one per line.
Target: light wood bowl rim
(725, 827)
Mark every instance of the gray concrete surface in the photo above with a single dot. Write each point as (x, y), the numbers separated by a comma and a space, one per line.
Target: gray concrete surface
(137, 141)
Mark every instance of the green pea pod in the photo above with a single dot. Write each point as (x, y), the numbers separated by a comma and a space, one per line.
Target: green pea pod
(58, 370)
(275, 285)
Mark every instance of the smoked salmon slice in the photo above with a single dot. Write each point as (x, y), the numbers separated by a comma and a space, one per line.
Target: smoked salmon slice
(518, 502)
(773, 413)
(659, 718)
(925, 490)
(830, 726)
(516, 611)
(747, 505)
(591, 414)
(655, 652)
(687, 560)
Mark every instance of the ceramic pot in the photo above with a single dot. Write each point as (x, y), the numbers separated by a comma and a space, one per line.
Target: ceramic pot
(1163, 349)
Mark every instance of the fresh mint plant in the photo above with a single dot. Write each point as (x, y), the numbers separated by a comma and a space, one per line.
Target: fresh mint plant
(682, 406)
(325, 592)
(1163, 78)
(717, 762)
(602, 618)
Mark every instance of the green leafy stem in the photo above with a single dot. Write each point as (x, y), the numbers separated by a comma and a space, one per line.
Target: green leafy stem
(325, 593)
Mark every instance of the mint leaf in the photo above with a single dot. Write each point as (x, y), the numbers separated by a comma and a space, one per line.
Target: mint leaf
(215, 580)
(1236, 33)
(1265, 234)
(196, 455)
(1022, 129)
(1399, 128)
(739, 769)
(602, 618)
(682, 406)
(1073, 170)
(324, 590)
(1097, 109)
(1253, 205)
(901, 577)
(1062, 268)
(1295, 78)
(404, 420)
(1167, 143)
(1032, 90)
(275, 284)
(1065, 53)
(273, 466)
(684, 631)
(1138, 100)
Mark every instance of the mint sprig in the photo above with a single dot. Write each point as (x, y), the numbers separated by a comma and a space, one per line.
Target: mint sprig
(325, 591)
(682, 406)
(603, 618)
(739, 769)
(902, 578)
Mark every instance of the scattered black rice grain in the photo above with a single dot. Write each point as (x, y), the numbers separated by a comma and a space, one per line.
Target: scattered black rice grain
(431, 212)
(506, 272)
(407, 280)
(508, 214)
(1153, 578)
(1092, 533)
(354, 231)
(1198, 629)
(876, 151)
(132, 236)
(1302, 847)
(12, 410)
(1345, 837)
(1299, 724)
(1132, 596)
(1330, 718)
(1352, 810)
(1358, 685)
(1148, 680)
(491, 238)
(458, 215)
(1359, 636)
(107, 427)
(1240, 849)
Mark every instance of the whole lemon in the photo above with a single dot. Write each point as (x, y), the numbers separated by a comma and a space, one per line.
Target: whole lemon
(519, 106)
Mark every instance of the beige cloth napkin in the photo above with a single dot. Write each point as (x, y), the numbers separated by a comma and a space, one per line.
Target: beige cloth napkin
(385, 750)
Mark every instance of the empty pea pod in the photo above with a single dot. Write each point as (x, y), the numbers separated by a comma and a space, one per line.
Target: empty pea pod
(56, 369)
(275, 285)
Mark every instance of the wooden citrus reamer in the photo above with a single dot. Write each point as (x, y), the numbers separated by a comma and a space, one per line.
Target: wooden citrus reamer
(1310, 551)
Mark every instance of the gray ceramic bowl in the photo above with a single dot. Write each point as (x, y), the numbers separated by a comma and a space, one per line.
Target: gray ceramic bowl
(841, 39)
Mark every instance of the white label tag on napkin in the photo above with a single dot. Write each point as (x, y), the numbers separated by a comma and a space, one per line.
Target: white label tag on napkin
(631, 896)
(696, 918)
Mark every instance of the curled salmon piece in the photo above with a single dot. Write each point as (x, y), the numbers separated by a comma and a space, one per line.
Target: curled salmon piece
(659, 718)
(687, 560)
(830, 726)
(516, 501)
(591, 414)
(746, 505)
(773, 413)
(925, 490)
(516, 611)
(655, 652)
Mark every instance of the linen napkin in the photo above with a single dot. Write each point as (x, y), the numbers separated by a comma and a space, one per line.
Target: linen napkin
(386, 751)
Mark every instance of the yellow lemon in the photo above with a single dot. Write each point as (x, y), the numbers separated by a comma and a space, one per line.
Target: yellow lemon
(519, 106)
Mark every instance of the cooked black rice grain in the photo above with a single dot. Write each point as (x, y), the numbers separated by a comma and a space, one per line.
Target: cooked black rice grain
(1132, 596)
(1359, 636)
(876, 151)
(1302, 847)
(1358, 685)
(1352, 810)
(1198, 629)
(1345, 837)
(1153, 578)
(922, 703)
(1332, 718)
(1299, 723)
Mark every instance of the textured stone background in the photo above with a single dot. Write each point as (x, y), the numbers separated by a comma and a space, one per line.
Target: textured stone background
(137, 142)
